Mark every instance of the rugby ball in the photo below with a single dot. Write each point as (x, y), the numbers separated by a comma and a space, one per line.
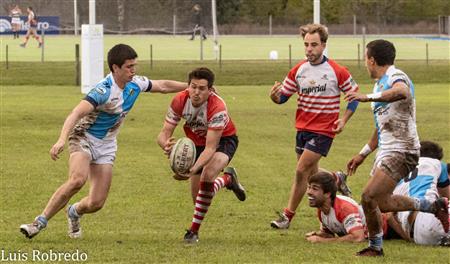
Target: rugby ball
(182, 156)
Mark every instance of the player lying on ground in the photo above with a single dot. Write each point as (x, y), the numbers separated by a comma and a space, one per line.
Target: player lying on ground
(341, 218)
(430, 180)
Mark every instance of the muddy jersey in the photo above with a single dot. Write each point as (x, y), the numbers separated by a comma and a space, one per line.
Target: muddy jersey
(344, 217)
(424, 180)
(212, 114)
(111, 105)
(319, 88)
(396, 121)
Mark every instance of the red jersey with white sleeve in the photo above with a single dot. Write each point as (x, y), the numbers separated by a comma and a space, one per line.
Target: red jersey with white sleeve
(344, 217)
(319, 89)
(212, 114)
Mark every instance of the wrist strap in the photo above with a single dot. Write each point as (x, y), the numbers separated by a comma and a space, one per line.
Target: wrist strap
(366, 150)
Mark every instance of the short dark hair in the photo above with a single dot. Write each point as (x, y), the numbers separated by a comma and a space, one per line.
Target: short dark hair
(431, 149)
(119, 54)
(382, 51)
(202, 73)
(326, 181)
(315, 28)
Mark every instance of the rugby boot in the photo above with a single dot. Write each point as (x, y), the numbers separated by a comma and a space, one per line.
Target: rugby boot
(234, 184)
(370, 252)
(342, 184)
(191, 237)
(282, 222)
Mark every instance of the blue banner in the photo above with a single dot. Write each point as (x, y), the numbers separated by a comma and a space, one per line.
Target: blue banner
(48, 23)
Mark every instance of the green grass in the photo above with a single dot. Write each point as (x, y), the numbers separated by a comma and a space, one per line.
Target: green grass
(242, 72)
(147, 211)
(62, 48)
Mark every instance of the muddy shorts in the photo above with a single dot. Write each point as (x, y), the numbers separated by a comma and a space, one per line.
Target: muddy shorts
(396, 165)
(101, 151)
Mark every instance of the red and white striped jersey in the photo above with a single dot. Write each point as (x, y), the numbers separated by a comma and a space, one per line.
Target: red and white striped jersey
(212, 114)
(344, 217)
(318, 87)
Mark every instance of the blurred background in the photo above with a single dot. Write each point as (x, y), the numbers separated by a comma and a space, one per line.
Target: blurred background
(243, 16)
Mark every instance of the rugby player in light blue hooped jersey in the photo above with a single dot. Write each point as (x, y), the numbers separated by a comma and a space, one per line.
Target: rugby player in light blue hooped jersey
(91, 129)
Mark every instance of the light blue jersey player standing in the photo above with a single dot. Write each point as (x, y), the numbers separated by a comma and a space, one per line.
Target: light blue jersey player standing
(397, 140)
(91, 129)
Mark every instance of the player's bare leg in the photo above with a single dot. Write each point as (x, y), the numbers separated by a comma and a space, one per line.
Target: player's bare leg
(78, 174)
(308, 164)
(195, 185)
(100, 179)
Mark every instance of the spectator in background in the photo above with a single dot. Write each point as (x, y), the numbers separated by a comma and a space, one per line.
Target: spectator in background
(15, 20)
(32, 29)
(198, 22)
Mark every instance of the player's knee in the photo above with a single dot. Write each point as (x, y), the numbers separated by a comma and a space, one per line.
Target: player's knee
(367, 198)
(76, 183)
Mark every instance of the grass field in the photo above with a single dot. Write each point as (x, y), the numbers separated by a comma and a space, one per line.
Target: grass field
(145, 216)
(62, 48)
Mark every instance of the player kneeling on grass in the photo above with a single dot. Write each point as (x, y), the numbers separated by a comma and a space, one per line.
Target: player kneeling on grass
(214, 134)
(338, 215)
(91, 129)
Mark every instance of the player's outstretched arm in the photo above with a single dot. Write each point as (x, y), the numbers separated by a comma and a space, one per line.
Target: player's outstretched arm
(168, 86)
(398, 91)
(81, 110)
(354, 236)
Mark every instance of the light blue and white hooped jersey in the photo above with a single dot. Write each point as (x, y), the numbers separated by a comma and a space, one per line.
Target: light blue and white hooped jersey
(424, 180)
(396, 121)
(111, 105)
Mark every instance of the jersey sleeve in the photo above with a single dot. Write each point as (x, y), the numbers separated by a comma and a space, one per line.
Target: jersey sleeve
(345, 81)
(98, 95)
(398, 76)
(351, 219)
(218, 115)
(175, 111)
(443, 180)
(143, 83)
(290, 85)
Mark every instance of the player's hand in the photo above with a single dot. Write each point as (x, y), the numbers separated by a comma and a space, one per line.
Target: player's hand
(338, 126)
(168, 146)
(57, 149)
(355, 96)
(314, 239)
(313, 233)
(354, 163)
(275, 92)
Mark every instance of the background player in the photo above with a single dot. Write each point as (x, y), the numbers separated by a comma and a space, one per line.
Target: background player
(32, 29)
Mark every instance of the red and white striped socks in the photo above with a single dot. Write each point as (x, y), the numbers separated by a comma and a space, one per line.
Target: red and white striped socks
(221, 182)
(204, 197)
(202, 203)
